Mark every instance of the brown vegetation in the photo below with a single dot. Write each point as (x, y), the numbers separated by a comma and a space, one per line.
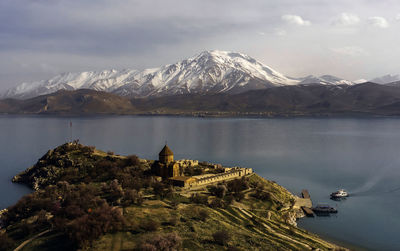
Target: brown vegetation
(161, 242)
(222, 237)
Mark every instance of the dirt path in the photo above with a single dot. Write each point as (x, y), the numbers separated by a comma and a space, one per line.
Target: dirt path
(23, 244)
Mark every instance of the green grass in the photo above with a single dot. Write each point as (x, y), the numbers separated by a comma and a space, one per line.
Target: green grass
(248, 228)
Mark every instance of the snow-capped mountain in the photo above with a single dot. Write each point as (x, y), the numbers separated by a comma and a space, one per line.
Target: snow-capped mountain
(209, 72)
(387, 79)
(325, 80)
(97, 80)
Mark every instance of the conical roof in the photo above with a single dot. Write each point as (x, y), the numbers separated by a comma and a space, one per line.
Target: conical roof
(166, 151)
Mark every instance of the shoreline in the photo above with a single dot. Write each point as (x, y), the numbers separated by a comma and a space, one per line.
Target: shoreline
(205, 116)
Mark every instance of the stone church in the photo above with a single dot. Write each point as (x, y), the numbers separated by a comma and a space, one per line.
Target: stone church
(166, 167)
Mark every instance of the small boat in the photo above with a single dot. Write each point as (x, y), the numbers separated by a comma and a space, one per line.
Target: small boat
(324, 209)
(339, 194)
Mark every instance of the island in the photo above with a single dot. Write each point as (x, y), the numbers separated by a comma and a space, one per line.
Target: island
(87, 199)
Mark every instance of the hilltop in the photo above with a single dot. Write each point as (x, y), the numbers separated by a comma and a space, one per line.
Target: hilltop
(88, 199)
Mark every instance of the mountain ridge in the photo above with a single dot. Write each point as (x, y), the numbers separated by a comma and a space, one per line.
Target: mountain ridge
(368, 99)
(386, 79)
(208, 72)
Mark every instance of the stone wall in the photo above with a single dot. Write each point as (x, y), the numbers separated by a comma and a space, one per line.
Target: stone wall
(231, 174)
(187, 163)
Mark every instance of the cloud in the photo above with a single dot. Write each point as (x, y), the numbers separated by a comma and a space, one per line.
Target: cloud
(76, 35)
(398, 17)
(378, 22)
(346, 19)
(107, 29)
(353, 51)
(295, 20)
(280, 32)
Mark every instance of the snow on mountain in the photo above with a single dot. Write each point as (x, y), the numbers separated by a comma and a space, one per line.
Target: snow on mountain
(360, 81)
(97, 80)
(386, 79)
(324, 80)
(209, 72)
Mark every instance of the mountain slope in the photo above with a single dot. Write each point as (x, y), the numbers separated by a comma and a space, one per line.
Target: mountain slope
(79, 102)
(209, 72)
(298, 100)
(325, 80)
(386, 79)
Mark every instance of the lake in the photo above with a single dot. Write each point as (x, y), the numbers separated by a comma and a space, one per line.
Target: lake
(321, 155)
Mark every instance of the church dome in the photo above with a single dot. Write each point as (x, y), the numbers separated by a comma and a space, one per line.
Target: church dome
(166, 151)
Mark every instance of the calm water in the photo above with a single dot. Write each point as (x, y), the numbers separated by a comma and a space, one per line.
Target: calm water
(322, 155)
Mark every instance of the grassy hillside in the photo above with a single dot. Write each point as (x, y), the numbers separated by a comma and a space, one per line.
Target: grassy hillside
(91, 200)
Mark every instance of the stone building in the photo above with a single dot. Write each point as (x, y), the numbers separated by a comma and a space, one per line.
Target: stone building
(166, 167)
(171, 170)
(166, 155)
(183, 181)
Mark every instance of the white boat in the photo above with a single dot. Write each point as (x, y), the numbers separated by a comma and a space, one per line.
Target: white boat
(339, 194)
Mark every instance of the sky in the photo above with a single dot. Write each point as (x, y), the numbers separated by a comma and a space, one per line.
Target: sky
(351, 39)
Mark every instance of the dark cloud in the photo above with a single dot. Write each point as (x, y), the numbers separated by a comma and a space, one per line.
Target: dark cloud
(101, 28)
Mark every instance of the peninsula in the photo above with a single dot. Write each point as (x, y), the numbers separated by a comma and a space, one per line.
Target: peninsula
(88, 199)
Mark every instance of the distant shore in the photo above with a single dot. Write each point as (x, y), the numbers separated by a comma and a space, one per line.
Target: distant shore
(206, 115)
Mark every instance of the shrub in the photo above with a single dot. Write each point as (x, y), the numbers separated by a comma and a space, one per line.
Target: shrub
(42, 219)
(221, 237)
(203, 214)
(6, 243)
(149, 225)
(198, 213)
(162, 190)
(233, 248)
(262, 195)
(218, 191)
(162, 242)
(217, 203)
(89, 227)
(132, 197)
(199, 199)
(228, 199)
(114, 191)
(132, 160)
(88, 149)
(237, 185)
(25, 229)
(238, 196)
